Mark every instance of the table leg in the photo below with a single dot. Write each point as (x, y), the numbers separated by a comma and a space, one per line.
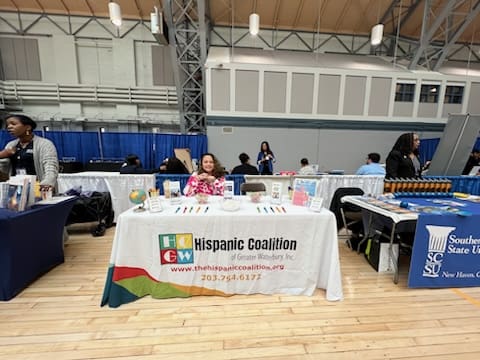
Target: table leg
(367, 233)
(392, 255)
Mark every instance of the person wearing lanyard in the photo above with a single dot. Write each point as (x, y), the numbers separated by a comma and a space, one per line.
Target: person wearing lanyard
(30, 154)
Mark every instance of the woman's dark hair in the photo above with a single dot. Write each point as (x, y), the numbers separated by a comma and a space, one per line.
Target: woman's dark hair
(218, 170)
(25, 120)
(404, 143)
(175, 166)
(268, 147)
(304, 161)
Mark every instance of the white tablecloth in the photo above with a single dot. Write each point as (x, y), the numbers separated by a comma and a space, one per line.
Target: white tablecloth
(263, 248)
(370, 184)
(118, 185)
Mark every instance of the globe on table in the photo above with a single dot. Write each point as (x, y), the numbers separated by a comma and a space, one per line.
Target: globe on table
(138, 196)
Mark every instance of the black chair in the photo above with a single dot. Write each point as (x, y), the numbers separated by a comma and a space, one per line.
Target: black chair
(348, 216)
(252, 187)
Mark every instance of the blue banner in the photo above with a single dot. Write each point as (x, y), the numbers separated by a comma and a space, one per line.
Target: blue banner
(446, 251)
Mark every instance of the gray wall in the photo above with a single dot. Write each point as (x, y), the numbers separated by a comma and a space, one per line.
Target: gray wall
(330, 149)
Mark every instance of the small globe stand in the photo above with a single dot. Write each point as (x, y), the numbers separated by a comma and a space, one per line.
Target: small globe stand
(138, 197)
(140, 208)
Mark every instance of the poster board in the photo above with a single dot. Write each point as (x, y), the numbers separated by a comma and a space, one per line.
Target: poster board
(184, 156)
(457, 141)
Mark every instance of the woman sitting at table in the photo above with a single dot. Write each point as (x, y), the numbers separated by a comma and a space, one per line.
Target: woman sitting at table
(209, 179)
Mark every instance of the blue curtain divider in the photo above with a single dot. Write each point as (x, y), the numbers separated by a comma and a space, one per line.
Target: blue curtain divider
(428, 147)
(160, 178)
(152, 149)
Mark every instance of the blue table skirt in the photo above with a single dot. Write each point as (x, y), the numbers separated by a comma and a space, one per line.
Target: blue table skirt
(464, 184)
(31, 243)
(160, 178)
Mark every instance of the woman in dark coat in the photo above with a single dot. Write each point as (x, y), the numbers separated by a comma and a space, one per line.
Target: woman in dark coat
(403, 161)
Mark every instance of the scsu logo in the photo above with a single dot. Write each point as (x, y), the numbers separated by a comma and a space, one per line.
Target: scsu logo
(433, 264)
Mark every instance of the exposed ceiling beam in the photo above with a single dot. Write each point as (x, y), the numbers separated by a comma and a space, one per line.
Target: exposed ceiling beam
(65, 7)
(342, 14)
(15, 5)
(298, 14)
(361, 19)
(140, 13)
(90, 8)
(275, 13)
(427, 34)
(40, 6)
(387, 12)
(409, 13)
(474, 11)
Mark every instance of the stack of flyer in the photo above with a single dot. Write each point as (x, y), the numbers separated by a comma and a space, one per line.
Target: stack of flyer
(21, 192)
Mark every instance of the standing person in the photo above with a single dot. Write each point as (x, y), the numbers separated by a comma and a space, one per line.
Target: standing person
(372, 167)
(473, 160)
(403, 161)
(30, 154)
(305, 168)
(245, 168)
(265, 159)
(209, 179)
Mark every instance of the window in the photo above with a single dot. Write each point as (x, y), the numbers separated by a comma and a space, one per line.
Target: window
(405, 92)
(429, 93)
(453, 94)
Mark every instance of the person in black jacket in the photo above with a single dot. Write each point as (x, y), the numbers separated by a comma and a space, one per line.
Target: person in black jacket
(403, 161)
(245, 168)
(134, 166)
(473, 160)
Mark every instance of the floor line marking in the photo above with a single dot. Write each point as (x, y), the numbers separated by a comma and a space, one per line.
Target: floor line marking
(467, 297)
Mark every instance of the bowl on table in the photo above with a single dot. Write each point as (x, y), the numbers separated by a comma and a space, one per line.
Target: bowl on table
(202, 198)
(230, 205)
(255, 196)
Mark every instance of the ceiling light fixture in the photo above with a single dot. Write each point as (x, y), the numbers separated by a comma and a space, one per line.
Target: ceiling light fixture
(115, 13)
(155, 21)
(376, 35)
(254, 24)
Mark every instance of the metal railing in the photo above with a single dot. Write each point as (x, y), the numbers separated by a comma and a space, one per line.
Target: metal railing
(28, 91)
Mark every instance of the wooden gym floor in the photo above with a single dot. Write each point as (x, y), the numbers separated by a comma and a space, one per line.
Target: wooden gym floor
(59, 317)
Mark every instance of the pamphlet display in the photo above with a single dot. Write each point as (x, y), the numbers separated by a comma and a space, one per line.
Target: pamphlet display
(21, 192)
(316, 204)
(276, 193)
(228, 190)
(155, 205)
(174, 192)
(303, 191)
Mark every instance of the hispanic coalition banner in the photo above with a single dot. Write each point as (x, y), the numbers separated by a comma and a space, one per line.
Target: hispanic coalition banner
(446, 252)
(223, 255)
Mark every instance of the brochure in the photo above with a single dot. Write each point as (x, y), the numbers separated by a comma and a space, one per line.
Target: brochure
(175, 193)
(228, 190)
(276, 193)
(303, 190)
